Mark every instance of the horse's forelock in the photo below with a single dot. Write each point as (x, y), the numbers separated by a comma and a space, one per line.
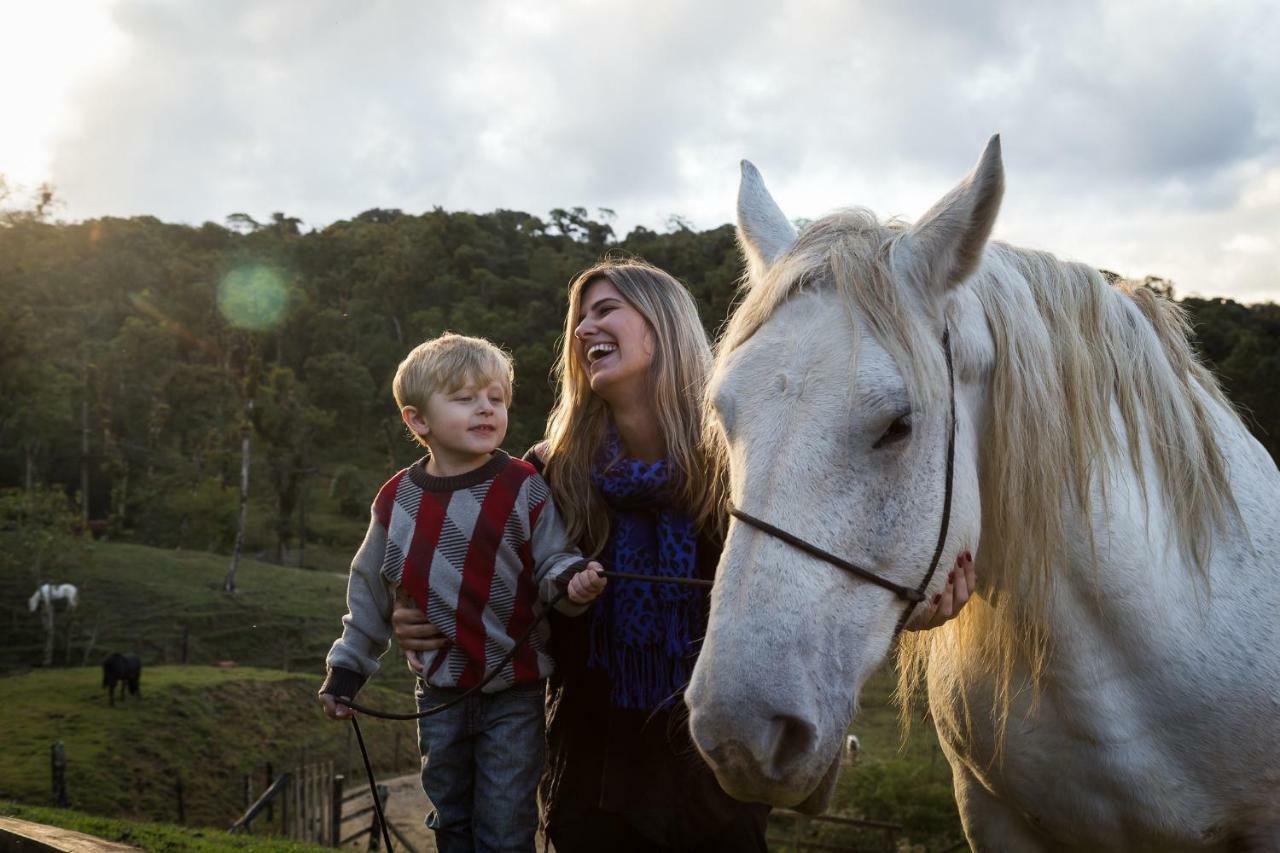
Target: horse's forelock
(851, 252)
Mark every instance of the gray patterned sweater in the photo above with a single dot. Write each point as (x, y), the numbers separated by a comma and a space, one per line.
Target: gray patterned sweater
(482, 554)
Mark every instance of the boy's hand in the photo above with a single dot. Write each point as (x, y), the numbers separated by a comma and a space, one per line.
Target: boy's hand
(587, 584)
(333, 710)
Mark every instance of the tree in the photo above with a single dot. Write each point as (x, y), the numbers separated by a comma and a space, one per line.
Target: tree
(249, 384)
(183, 405)
(288, 424)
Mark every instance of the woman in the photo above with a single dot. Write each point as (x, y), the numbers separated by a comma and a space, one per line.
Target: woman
(636, 483)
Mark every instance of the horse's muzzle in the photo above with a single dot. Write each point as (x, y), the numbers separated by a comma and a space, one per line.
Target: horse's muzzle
(771, 759)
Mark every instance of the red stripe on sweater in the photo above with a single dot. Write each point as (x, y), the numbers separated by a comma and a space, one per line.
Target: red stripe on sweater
(477, 571)
(416, 578)
(386, 497)
(525, 663)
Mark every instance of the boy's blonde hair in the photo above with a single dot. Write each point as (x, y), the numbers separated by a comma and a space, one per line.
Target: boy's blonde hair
(447, 363)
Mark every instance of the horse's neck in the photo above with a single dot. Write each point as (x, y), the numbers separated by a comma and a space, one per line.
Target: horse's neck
(1126, 587)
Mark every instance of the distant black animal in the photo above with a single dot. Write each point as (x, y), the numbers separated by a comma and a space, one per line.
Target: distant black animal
(125, 670)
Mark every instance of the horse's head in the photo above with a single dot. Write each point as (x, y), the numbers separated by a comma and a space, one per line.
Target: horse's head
(832, 396)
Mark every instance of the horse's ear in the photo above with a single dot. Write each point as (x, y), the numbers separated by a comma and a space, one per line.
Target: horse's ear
(949, 239)
(763, 231)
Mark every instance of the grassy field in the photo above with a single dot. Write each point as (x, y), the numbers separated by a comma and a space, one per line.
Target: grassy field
(140, 599)
(155, 837)
(212, 725)
(909, 783)
(204, 725)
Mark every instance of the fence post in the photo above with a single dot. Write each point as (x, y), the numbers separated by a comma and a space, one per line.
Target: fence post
(799, 829)
(271, 806)
(58, 762)
(375, 828)
(182, 810)
(284, 807)
(310, 789)
(248, 790)
(335, 814)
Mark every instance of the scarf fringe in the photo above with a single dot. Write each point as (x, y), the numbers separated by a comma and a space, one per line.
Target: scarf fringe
(646, 678)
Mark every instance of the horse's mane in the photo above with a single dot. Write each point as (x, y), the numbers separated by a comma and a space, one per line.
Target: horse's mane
(1068, 345)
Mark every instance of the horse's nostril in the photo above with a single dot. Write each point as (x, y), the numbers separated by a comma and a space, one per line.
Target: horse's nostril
(794, 739)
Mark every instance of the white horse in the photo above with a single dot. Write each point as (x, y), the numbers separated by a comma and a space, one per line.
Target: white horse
(1115, 684)
(49, 593)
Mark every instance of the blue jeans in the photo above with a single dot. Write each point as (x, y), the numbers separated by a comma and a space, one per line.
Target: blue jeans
(481, 761)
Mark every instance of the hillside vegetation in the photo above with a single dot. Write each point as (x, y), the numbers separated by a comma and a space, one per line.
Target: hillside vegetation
(135, 354)
(206, 725)
(210, 725)
(213, 725)
(139, 599)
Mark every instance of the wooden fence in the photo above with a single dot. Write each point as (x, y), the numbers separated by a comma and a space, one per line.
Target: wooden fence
(309, 798)
(798, 839)
(315, 808)
(308, 803)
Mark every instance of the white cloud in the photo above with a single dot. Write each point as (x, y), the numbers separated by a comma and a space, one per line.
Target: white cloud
(1140, 136)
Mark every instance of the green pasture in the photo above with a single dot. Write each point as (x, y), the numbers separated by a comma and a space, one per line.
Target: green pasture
(206, 726)
(905, 783)
(211, 725)
(139, 599)
(154, 837)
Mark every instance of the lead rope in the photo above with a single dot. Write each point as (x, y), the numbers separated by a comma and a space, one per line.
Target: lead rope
(946, 494)
(373, 788)
(471, 691)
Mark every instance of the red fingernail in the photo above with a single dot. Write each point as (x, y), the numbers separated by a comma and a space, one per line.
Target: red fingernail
(967, 557)
(937, 598)
(951, 576)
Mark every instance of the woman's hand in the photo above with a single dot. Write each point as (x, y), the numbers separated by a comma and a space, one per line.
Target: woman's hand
(946, 604)
(414, 632)
(587, 584)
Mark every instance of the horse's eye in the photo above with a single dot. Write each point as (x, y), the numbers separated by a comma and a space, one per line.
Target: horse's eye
(897, 431)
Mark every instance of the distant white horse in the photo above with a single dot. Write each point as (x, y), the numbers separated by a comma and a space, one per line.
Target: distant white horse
(1115, 684)
(49, 593)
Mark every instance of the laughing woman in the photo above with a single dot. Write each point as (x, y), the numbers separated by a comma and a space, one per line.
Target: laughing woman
(636, 484)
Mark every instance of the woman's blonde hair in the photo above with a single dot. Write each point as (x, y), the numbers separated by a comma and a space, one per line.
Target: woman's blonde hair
(678, 377)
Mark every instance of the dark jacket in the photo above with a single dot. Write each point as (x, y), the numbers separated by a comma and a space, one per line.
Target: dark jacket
(639, 768)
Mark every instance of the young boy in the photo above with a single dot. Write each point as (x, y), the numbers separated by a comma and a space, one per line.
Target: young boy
(471, 535)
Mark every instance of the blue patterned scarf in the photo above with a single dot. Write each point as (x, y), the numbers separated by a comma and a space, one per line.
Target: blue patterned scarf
(641, 633)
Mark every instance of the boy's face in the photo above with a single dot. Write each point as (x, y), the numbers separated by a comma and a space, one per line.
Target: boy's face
(465, 424)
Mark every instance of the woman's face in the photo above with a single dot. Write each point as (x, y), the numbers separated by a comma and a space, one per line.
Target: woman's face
(612, 341)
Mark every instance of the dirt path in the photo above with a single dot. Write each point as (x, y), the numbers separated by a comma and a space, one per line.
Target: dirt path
(407, 808)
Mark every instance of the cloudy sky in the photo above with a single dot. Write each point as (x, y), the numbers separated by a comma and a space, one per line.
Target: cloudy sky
(1143, 137)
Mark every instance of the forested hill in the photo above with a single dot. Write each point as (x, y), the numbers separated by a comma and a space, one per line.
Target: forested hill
(128, 348)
